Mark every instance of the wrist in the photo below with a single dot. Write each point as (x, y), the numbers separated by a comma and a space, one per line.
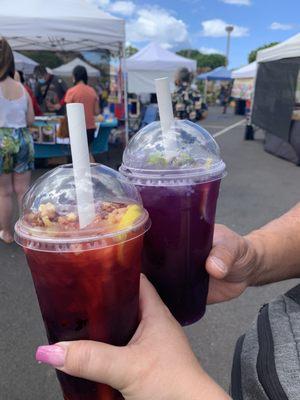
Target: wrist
(257, 253)
(199, 385)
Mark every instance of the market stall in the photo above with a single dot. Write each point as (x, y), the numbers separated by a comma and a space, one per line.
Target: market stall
(243, 85)
(154, 62)
(275, 104)
(51, 140)
(69, 25)
(219, 74)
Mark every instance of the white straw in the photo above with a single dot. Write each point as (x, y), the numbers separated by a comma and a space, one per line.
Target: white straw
(165, 110)
(81, 164)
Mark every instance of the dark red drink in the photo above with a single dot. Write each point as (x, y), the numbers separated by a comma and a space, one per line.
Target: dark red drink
(91, 295)
(178, 243)
(86, 279)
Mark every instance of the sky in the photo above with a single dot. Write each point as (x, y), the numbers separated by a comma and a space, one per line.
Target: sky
(200, 24)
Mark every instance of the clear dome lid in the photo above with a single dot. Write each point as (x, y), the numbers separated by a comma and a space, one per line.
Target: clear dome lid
(50, 213)
(186, 151)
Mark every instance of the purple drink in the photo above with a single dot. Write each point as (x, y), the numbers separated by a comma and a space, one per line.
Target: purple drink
(176, 247)
(180, 190)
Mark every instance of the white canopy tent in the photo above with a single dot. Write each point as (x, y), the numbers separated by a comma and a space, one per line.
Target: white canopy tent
(67, 69)
(24, 63)
(68, 25)
(290, 48)
(56, 25)
(243, 85)
(246, 72)
(153, 62)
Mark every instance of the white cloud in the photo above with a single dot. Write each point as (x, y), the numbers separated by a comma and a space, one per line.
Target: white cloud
(157, 24)
(125, 8)
(216, 28)
(238, 2)
(209, 50)
(281, 27)
(100, 3)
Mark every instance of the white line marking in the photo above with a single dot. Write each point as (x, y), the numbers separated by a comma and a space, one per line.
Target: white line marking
(213, 126)
(229, 128)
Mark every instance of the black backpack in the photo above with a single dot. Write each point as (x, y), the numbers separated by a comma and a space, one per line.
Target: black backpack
(266, 363)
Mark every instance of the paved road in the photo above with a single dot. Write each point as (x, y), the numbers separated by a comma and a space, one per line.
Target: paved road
(258, 187)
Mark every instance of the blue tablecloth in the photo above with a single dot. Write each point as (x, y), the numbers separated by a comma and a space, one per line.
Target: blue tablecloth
(100, 144)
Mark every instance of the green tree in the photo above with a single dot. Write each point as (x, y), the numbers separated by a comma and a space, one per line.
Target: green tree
(130, 51)
(211, 61)
(47, 58)
(252, 55)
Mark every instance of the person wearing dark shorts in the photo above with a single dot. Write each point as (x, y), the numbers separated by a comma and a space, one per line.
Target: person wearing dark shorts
(81, 92)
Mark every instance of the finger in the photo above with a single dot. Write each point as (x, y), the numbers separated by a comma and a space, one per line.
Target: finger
(90, 360)
(150, 302)
(225, 252)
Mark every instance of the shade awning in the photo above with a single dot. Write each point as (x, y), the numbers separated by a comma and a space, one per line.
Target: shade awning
(24, 63)
(67, 69)
(217, 74)
(290, 48)
(246, 72)
(68, 25)
(154, 58)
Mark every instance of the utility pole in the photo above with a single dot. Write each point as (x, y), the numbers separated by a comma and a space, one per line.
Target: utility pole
(229, 30)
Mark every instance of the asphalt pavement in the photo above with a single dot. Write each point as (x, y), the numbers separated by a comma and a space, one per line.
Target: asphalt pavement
(258, 188)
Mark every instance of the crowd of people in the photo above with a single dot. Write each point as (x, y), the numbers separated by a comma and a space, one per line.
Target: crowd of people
(20, 102)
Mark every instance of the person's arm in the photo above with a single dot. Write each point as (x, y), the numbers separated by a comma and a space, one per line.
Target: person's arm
(96, 106)
(158, 362)
(30, 112)
(266, 255)
(277, 247)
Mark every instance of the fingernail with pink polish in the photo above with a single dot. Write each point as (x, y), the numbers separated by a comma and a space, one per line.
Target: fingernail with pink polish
(53, 355)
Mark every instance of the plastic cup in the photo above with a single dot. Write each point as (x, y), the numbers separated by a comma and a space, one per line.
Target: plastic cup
(179, 188)
(86, 280)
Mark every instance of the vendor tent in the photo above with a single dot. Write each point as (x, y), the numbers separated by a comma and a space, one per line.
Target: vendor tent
(246, 72)
(275, 87)
(217, 74)
(243, 85)
(153, 62)
(67, 69)
(23, 63)
(290, 48)
(68, 25)
(274, 98)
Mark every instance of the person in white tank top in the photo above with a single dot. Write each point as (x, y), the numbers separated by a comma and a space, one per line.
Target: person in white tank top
(16, 144)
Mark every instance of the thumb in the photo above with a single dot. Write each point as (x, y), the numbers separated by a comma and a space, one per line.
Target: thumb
(224, 253)
(98, 362)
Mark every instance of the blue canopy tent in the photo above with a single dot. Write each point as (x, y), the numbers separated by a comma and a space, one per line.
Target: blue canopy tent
(218, 74)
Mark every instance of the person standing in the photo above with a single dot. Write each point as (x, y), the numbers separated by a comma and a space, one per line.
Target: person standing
(16, 143)
(50, 91)
(225, 97)
(19, 76)
(85, 94)
(187, 100)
